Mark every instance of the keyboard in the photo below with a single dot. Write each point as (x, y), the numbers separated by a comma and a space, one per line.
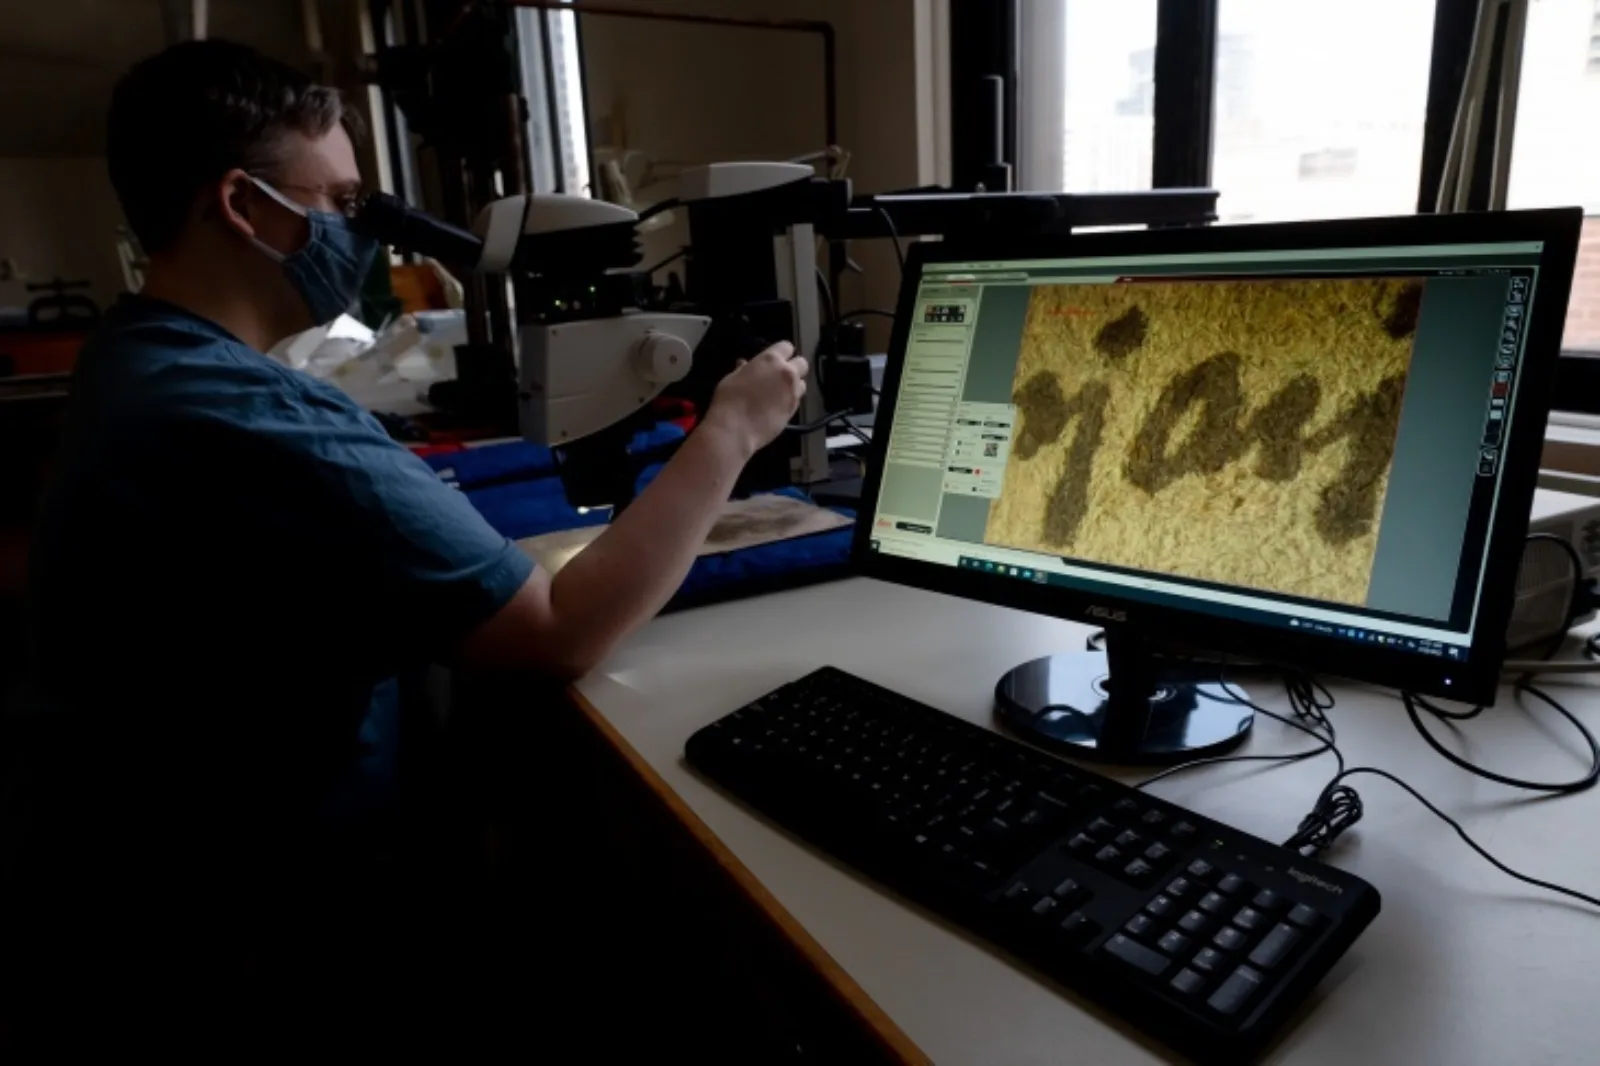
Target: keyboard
(1197, 934)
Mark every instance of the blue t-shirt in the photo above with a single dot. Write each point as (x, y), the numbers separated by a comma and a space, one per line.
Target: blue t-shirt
(232, 558)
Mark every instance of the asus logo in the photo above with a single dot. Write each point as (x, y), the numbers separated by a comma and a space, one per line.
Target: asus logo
(1106, 614)
(1308, 879)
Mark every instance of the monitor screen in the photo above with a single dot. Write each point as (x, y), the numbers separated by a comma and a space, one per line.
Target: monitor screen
(1304, 439)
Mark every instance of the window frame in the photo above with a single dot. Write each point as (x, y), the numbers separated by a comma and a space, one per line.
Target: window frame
(984, 41)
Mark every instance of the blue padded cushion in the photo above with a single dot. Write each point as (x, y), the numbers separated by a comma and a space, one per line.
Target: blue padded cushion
(529, 508)
(519, 460)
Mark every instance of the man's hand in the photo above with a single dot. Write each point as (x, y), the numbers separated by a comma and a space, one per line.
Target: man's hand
(758, 399)
(564, 626)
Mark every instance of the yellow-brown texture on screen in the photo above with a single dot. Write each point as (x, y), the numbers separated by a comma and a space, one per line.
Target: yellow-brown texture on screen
(1233, 431)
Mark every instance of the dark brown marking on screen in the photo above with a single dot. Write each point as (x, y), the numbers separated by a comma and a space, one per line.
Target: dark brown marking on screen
(1348, 506)
(1044, 413)
(1213, 443)
(1123, 335)
(1400, 320)
(1276, 427)
(1069, 500)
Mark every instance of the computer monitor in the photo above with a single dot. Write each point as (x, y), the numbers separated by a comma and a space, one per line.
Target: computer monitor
(1311, 444)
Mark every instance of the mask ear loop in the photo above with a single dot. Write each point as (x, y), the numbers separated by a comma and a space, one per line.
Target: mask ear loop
(265, 249)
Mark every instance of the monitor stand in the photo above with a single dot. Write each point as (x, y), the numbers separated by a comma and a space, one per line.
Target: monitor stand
(1123, 705)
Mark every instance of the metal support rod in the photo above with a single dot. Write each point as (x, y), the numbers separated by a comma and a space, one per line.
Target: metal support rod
(796, 272)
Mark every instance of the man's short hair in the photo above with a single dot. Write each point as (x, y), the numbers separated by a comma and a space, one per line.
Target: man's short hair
(185, 116)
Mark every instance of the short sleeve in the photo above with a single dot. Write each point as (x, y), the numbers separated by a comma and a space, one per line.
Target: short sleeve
(427, 567)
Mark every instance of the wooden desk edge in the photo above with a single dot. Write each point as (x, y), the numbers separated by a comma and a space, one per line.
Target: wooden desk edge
(867, 1012)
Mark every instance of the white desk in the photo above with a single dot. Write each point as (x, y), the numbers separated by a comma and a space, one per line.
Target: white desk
(1463, 966)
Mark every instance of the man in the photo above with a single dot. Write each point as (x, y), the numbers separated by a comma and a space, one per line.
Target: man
(234, 555)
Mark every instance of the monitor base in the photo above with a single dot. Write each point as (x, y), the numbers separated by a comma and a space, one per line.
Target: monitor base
(1065, 703)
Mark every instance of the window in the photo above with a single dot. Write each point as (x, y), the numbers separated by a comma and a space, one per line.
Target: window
(1555, 157)
(1110, 53)
(1319, 110)
(556, 138)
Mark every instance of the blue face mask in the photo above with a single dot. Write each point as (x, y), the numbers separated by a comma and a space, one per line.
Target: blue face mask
(330, 270)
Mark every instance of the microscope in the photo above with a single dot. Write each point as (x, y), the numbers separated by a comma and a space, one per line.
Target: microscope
(596, 343)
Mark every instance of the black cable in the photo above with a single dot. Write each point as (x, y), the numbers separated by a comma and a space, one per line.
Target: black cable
(1303, 694)
(1339, 806)
(894, 237)
(656, 208)
(1558, 788)
(827, 297)
(1327, 827)
(840, 418)
(1440, 712)
(832, 320)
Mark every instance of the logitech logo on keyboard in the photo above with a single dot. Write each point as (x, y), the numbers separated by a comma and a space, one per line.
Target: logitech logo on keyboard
(1311, 879)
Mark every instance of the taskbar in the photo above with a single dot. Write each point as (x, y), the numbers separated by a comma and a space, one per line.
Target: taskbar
(1319, 627)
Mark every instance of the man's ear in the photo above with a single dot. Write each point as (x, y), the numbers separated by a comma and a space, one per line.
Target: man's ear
(236, 195)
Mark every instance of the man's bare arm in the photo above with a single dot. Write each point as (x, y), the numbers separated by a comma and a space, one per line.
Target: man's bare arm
(564, 626)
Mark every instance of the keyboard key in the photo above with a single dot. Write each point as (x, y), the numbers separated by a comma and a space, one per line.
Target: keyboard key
(1275, 947)
(1304, 916)
(1020, 894)
(1182, 832)
(1125, 806)
(1100, 827)
(1139, 871)
(1050, 803)
(1157, 852)
(1067, 889)
(1268, 901)
(1107, 855)
(1194, 922)
(1213, 903)
(1160, 907)
(1179, 887)
(1082, 842)
(1229, 939)
(1188, 982)
(1201, 870)
(1153, 817)
(1045, 907)
(1127, 840)
(1231, 885)
(1139, 925)
(997, 829)
(1173, 942)
(1077, 927)
(1135, 954)
(1249, 919)
(1208, 960)
(1235, 992)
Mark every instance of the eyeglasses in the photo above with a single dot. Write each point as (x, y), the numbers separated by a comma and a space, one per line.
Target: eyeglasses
(346, 200)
